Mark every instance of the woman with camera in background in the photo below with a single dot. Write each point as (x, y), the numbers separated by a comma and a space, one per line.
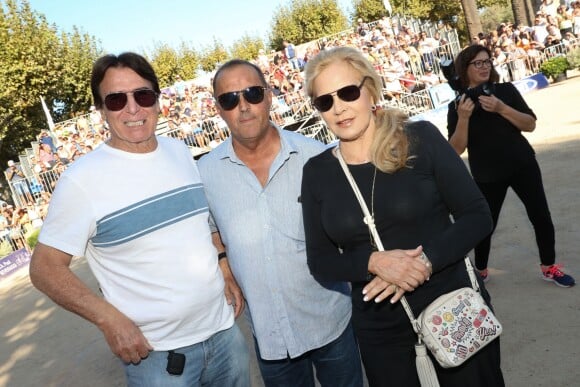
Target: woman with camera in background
(488, 120)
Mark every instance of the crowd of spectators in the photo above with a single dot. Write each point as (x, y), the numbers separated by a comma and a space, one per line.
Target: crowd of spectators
(34, 177)
(405, 52)
(518, 50)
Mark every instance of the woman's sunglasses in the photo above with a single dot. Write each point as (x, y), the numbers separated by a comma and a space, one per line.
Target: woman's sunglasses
(252, 94)
(350, 93)
(144, 98)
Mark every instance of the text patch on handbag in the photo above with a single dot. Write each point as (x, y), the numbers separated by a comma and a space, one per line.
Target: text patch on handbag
(456, 325)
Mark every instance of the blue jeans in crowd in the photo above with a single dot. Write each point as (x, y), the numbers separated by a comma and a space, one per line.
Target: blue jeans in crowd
(337, 364)
(222, 360)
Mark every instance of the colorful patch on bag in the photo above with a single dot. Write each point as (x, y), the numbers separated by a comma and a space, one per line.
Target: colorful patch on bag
(456, 328)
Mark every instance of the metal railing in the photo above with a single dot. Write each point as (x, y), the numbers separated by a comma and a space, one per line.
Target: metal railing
(318, 131)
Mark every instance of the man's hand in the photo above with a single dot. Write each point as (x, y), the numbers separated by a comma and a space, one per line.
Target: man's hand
(51, 274)
(232, 290)
(125, 339)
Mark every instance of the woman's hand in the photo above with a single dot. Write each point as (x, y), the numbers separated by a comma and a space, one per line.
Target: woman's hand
(465, 107)
(403, 268)
(379, 289)
(491, 103)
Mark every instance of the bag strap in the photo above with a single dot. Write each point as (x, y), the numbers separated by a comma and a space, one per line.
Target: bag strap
(370, 222)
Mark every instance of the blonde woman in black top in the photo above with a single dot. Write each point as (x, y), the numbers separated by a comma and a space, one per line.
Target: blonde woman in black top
(411, 181)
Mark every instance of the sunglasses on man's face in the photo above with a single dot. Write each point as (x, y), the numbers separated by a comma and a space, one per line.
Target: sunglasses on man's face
(252, 94)
(350, 93)
(117, 101)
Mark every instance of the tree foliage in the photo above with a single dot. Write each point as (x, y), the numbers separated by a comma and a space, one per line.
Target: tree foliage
(169, 62)
(493, 15)
(435, 10)
(247, 47)
(212, 56)
(302, 21)
(38, 60)
(448, 11)
(368, 10)
(165, 62)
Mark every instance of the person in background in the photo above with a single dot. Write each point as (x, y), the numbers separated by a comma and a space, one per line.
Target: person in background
(500, 157)
(411, 181)
(136, 209)
(15, 176)
(291, 54)
(252, 182)
(46, 138)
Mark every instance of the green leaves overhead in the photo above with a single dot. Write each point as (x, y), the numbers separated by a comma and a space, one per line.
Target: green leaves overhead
(36, 59)
(302, 21)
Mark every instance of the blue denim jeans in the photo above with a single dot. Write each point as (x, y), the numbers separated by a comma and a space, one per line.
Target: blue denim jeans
(337, 364)
(222, 360)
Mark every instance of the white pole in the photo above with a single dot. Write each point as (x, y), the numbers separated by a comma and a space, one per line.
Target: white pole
(47, 113)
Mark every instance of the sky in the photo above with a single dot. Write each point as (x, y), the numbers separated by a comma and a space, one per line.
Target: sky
(137, 25)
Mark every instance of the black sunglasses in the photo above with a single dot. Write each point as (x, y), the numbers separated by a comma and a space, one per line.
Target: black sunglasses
(252, 94)
(350, 93)
(144, 97)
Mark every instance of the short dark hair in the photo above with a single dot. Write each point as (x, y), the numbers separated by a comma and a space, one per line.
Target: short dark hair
(462, 63)
(130, 60)
(238, 62)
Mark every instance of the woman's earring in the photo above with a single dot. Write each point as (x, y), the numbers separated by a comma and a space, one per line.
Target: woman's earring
(373, 108)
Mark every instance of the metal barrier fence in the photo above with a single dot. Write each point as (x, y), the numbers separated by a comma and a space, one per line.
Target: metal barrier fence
(12, 239)
(318, 131)
(397, 22)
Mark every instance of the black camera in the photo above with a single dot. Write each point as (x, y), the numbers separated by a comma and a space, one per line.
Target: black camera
(448, 68)
(474, 93)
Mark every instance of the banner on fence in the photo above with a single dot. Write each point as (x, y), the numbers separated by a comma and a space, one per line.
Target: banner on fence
(441, 95)
(11, 263)
(533, 82)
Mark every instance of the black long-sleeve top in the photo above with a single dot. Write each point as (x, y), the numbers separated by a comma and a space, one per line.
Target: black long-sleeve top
(496, 147)
(412, 207)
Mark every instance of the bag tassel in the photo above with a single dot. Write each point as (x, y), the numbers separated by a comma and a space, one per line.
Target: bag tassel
(425, 368)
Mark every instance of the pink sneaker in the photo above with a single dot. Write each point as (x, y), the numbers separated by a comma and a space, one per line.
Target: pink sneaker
(556, 275)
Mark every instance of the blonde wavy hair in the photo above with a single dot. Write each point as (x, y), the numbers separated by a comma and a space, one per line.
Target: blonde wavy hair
(390, 146)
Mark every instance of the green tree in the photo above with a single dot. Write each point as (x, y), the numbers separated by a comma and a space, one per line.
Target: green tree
(493, 15)
(169, 62)
(246, 47)
(302, 21)
(73, 65)
(212, 56)
(451, 12)
(165, 62)
(188, 61)
(368, 10)
(472, 21)
(427, 10)
(36, 60)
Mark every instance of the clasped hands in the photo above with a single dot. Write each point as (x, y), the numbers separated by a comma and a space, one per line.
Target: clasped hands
(396, 272)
